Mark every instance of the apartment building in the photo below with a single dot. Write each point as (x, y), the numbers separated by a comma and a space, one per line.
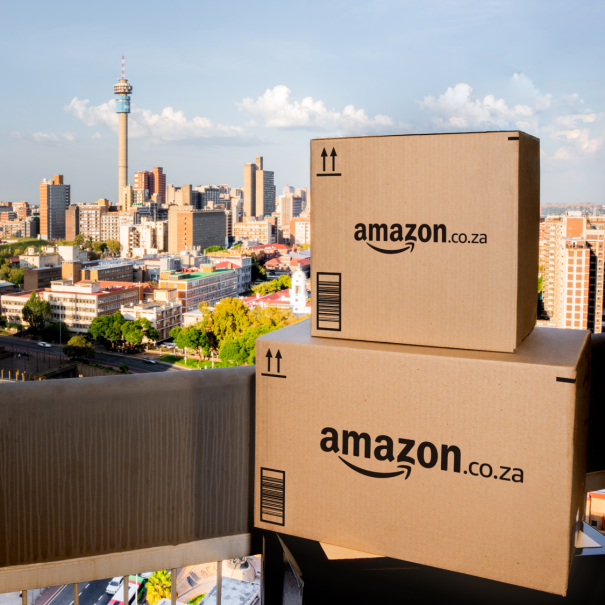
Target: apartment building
(75, 304)
(189, 228)
(289, 207)
(300, 231)
(571, 255)
(27, 227)
(110, 226)
(90, 220)
(206, 284)
(51, 256)
(164, 312)
(262, 232)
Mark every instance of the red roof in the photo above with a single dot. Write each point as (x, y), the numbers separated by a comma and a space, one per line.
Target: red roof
(299, 262)
(273, 261)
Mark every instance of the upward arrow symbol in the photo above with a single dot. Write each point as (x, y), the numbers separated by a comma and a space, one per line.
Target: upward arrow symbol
(269, 356)
(278, 357)
(333, 156)
(324, 155)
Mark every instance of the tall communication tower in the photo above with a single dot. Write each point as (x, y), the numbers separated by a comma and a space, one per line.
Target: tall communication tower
(123, 90)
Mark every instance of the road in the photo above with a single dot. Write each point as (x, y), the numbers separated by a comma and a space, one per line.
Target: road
(91, 593)
(134, 363)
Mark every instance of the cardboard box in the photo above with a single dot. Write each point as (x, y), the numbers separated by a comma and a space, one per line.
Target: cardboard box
(463, 460)
(426, 239)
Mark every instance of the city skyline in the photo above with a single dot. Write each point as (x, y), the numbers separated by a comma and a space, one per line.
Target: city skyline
(441, 67)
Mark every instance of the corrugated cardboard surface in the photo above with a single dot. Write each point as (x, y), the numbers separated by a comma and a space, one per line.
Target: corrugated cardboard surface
(469, 295)
(509, 411)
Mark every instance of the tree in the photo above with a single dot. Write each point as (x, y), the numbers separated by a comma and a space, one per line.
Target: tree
(79, 348)
(36, 312)
(193, 338)
(113, 246)
(275, 285)
(16, 276)
(214, 249)
(99, 247)
(272, 317)
(55, 332)
(108, 329)
(159, 586)
(230, 319)
(135, 331)
(258, 272)
(242, 350)
(304, 246)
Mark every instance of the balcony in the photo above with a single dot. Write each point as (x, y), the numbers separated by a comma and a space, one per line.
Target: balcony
(111, 476)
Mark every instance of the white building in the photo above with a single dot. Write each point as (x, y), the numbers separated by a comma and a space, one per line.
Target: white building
(164, 312)
(242, 265)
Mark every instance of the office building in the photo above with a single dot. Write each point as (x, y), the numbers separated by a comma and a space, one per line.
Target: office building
(189, 228)
(54, 201)
(259, 190)
(289, 207)
(207, 284)
(241, 263)
(265, 192)
(572, 282)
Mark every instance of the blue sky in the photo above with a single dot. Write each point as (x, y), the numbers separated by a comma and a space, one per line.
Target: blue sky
(216, 83)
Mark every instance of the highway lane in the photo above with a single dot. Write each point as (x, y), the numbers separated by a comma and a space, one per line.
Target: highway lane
(134, 363)
(91, 593)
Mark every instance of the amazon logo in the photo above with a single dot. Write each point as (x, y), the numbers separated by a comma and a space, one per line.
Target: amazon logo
(408, 235)
(383, 449)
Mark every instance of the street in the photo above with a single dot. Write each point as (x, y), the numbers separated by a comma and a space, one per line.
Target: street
(91, 593)
(134, 363)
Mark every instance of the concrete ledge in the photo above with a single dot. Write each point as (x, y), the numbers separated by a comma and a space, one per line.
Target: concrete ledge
(86, 569)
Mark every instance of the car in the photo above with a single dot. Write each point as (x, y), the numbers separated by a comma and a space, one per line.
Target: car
(113, 586)
(148, 360)
(44, 344)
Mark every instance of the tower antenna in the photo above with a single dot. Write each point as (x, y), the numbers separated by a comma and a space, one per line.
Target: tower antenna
(123, 67)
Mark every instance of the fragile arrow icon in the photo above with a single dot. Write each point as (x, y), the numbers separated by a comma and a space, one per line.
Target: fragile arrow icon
(324, 155)
(269, 356)
(333, 156)
(278, 357)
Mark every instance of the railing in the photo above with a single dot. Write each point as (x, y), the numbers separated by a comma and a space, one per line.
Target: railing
(111, 476)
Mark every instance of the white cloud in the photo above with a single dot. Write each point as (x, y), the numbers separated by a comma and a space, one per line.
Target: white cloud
(97, 136)
(169, 125)
(278, 110)
(458, 108)
(45, 137)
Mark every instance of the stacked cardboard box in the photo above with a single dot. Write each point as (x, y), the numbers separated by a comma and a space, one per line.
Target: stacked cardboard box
(417, 415)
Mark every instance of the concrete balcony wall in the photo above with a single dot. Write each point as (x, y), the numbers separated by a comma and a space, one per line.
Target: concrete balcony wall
(95, 467)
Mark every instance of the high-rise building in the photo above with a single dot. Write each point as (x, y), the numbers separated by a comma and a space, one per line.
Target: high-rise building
(159, 184)
(153, 182)
(90, 220)
(572, 270)
(189, 228)
(259, 190)
(123, 89)
(287, 189)
(72, 222)
(289, 207)
(265, 192)
(54, 201)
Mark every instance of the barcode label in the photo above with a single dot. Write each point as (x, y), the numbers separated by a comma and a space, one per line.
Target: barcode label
(329, 303)
(272, 496)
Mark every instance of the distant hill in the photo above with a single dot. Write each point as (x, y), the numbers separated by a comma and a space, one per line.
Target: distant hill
(559, 209)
